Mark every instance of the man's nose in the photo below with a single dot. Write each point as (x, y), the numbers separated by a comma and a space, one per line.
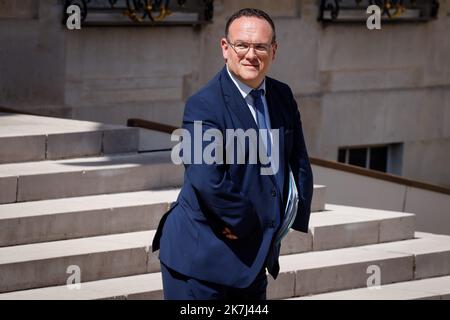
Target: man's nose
(251, 54)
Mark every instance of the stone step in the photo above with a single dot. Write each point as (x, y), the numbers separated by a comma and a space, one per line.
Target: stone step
(300, 274)
(340, 269)
(146, 286)
(48, 264)
(431, 252)
(319, 197)
(43, 180)
(68, 218)
(437, 288)
(34, 138)
(344, 226)
(51, 220)
(149, 287)
(62, 219)
(152, 140)
(95, 256)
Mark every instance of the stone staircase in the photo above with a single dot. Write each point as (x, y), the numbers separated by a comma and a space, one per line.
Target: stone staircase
(75, 193)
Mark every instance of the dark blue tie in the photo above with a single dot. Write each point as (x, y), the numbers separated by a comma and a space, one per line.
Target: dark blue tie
(260, 117)
(262, 124)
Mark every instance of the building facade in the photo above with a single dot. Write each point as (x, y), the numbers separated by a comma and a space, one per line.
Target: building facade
(375, 98)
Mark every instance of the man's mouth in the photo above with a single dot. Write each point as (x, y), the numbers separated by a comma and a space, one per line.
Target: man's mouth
(256, 66)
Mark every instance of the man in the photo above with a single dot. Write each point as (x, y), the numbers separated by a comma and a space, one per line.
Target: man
(218, 238)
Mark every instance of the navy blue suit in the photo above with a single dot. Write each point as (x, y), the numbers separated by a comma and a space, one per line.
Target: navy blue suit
(237, 196)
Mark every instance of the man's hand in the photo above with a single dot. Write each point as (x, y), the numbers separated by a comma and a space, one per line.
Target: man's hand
(230, 235)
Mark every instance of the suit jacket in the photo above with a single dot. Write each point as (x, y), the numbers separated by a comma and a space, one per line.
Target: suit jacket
(213, 196)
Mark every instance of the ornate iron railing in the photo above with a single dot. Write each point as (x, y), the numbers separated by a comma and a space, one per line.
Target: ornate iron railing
(142, 12)
(391, 10)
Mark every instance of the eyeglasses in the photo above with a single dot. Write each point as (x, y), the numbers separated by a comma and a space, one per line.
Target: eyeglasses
(242, 48)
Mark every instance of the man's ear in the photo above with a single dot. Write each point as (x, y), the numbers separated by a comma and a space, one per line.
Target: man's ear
(274, 50)
(225, 48)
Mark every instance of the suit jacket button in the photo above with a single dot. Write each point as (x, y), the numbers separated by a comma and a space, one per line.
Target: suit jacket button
(274, 193)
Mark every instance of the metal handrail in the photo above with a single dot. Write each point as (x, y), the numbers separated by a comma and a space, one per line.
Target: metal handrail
(161, 127)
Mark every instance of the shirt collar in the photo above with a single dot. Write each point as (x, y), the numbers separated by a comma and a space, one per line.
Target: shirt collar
(243, 88)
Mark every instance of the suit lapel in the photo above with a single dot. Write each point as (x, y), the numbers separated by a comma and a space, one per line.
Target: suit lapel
(236, 102)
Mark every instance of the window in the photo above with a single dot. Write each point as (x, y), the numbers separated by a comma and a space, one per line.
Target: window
(378, 158)
(384, 158)
(358, 157)
(390, 10)
(142, 12)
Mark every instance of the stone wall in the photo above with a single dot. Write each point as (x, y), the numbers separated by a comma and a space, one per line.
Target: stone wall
(32, 56)
(353, 86)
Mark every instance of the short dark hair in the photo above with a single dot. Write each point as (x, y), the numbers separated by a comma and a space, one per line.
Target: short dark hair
(251, 12)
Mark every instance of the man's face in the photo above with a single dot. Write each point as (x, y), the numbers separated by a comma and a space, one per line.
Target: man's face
(252, 66)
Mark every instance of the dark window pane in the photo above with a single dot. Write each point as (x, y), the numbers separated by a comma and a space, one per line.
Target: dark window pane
(378, 158)
(357, 157)
(341, 155)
